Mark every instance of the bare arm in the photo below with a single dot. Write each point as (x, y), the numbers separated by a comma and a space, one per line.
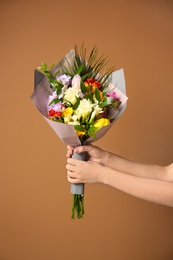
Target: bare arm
(148, 171)
(121, 164)
(152, 190)
(156, 191)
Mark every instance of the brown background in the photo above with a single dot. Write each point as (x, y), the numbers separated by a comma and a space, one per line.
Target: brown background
(35, 202)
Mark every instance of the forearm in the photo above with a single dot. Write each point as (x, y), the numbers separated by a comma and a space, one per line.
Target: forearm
(155, 191)
(137, 169)
(152, 190)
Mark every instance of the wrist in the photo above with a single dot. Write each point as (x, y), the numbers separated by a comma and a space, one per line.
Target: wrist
(102, 174)
(106, 159)
(169, 172)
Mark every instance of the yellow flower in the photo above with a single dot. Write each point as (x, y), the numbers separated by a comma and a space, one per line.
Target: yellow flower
(101, 122)
(80, 134)
(68, 111)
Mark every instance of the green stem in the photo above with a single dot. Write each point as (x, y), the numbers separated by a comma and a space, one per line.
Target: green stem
(77, 206)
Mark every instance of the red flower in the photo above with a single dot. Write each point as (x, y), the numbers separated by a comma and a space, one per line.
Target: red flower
(96, 84)
(58, 114)
(54, 113)
(51, 112)
(90, 81)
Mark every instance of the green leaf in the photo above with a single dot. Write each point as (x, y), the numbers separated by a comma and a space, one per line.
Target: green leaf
(41, 68)
(52, 66)
(76, 104)
(105, 89)
(83, 88)
(59, 88)
(97, 93)
(93, 135)
(84, 76)
(79, 70)
(90, 97)
(52, 85)
(79, 128)
(92, 129)
(44, 65)
(54, 101)
(107, 101)
(116, 104)
(47, 73)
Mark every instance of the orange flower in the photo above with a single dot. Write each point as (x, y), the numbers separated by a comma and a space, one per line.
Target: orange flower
(80, 134)
(101, 95)
(96, 84)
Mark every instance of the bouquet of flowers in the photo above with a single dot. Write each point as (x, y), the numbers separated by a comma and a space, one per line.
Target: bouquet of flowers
(78, 100)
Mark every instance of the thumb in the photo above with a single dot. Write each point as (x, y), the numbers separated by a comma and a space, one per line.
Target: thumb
(83, 148)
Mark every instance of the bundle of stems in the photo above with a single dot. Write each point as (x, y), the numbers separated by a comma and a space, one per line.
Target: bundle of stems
(78, 206)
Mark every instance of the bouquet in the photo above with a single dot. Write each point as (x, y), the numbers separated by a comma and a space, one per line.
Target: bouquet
(80, 103)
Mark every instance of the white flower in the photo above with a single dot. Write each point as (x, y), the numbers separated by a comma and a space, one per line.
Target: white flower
(70, 95)
(96, 107)
(73, 91)
(67, 119)
(84, 109)
(93, 115)
(63, 90)
(74, 120)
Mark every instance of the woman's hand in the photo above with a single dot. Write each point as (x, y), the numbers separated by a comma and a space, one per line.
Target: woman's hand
(95, 154)
(83, 172)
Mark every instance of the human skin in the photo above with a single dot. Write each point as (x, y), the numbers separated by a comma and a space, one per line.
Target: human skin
(153, 183)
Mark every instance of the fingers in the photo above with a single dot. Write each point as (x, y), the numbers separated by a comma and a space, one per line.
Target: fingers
(73, 170)
(70, 147)
(74, 165)
(72, 176)
(83, 148)
(70, 173)
(69, 151)
(75, 162)
(73, 180)
(79, 149)
(70, 167)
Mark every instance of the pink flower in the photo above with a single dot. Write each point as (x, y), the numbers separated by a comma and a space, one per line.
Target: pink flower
(112, 95)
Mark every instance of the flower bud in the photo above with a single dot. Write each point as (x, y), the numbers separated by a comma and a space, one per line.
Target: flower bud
(76, 81)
